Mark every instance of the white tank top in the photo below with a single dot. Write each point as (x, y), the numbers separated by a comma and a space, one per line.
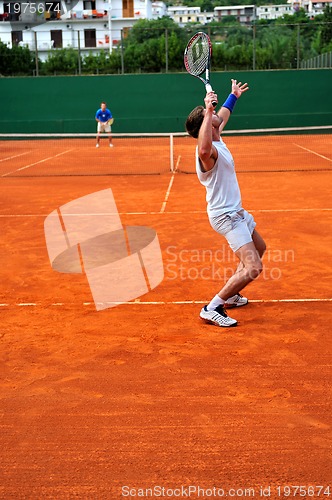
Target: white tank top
(222, 188)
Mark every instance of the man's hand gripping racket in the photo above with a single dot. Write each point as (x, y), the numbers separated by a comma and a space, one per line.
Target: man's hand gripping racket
(197, 59)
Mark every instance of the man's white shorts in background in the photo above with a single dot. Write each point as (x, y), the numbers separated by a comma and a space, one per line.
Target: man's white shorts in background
(103, 127)
(236, 227)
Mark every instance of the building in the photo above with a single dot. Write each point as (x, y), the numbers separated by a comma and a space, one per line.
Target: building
(89, 25)
(159, 9)
(311, 7)
(273, 11)
(245, 14)
(182, 15)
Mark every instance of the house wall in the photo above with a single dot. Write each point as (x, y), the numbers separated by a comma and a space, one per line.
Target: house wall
(108, 25)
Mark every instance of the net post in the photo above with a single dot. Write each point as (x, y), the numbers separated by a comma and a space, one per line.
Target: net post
(171, 152)
(36, 53)
(79, 52)
(122, 55)
(298, 47)
(166, 50)
(254, 46)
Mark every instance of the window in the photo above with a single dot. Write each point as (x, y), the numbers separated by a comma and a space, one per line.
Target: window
(90, 38)
(17, 37)
(56, 37)
(128, 8)
(89, 5)
(125, 32)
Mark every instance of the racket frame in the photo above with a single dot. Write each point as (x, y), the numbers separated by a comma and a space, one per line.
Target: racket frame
(206, 80)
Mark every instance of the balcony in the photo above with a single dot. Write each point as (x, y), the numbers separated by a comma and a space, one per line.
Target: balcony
(88, 14)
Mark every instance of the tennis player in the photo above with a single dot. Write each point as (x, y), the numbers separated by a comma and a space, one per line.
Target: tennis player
(103, 117)
(216, 172)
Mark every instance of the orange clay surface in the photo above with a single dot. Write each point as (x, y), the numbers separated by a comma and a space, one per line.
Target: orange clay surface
(145, 395)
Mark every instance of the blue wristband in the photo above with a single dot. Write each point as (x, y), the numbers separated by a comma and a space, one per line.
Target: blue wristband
(230, 102)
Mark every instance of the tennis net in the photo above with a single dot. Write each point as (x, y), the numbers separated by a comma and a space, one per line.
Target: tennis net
(263, 150)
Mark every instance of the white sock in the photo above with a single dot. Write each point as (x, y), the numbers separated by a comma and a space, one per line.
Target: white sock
(215, 302)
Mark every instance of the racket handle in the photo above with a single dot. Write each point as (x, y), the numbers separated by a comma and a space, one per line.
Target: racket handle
(208, 89)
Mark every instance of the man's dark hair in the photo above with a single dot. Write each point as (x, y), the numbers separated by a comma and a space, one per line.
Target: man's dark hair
(194, 121)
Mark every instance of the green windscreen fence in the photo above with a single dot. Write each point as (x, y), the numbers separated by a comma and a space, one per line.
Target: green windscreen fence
(160, 103)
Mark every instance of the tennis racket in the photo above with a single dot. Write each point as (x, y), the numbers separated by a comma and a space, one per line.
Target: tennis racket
(197, 59)
(111, 121)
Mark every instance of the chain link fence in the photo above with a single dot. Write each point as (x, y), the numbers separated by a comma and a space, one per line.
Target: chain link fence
(77, 51)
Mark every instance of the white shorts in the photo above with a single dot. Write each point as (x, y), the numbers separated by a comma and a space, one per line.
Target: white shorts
(236, 227)
(103, 127)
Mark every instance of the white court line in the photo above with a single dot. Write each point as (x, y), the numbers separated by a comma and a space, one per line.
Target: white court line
(15, 156)
(190, 212)
(36, 163)
(177, 163)
(313, 152)
(170, 302)
(163, 206)
(181, 302)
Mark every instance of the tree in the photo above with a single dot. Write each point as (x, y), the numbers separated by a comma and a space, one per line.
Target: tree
(62, 62)
(326, 32)
(146, 29)
(175, 51)
(102, 63)
(277, 44)
(4, 58)
(274, 49)
(16, 60)
(145, 45)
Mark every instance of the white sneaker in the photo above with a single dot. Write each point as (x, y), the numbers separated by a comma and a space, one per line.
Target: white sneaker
(111, 145)
(97, 145)
(217, 317)
(236, 301)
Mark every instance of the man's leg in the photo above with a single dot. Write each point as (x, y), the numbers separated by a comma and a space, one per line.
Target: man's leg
(259, 243)
(249, 268)
(260, 247)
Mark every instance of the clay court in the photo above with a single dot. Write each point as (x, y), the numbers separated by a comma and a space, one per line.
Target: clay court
(115, 403)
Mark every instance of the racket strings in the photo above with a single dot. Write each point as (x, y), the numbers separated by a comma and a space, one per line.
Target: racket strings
(197, 56)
